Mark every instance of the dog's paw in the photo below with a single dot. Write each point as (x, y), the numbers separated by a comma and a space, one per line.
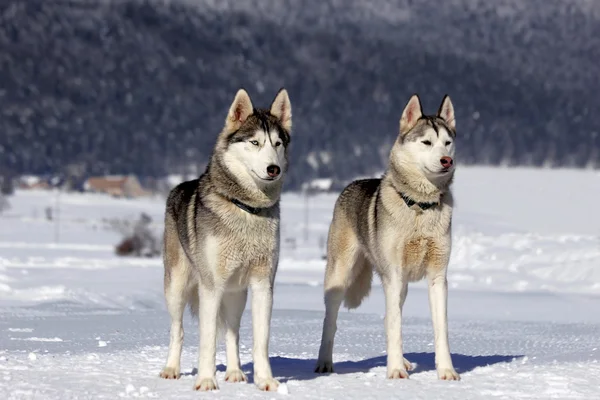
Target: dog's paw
(324, 367)
(408, 365)
(448, 374)
(267, 384)
(170, 373)
(234, 376)
(206, 384)
(397, 374)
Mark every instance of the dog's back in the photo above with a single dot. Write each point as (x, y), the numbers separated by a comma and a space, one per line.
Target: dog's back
(356, 204)
(182, 198)
(350, 234)
(176, 241)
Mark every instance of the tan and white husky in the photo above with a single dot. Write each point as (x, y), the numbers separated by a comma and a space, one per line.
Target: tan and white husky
(398, 225)
(222, 236)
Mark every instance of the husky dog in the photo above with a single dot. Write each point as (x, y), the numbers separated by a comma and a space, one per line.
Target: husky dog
(222, 236)
(400, 226)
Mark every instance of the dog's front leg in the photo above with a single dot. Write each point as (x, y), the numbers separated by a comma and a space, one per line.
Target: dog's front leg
(438, 301)
(210, 302)
(394, 287)
(233, 306)
(262, 305)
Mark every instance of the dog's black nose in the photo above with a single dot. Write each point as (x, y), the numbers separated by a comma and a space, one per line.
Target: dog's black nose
(273, 171)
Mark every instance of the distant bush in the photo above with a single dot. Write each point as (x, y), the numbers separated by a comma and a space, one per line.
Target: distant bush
(140, 240)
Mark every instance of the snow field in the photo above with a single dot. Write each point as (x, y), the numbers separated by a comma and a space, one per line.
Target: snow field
(77, 322)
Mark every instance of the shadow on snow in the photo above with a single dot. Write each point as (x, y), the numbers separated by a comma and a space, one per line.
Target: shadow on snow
(287, 369)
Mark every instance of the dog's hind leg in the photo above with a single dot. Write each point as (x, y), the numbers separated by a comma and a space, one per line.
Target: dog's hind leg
(360, 280)
(343, 252)
(177, 278)
(233, 307)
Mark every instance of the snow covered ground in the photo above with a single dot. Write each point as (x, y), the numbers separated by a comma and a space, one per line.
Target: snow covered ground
(77, 322)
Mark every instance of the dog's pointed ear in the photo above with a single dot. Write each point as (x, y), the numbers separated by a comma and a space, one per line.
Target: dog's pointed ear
(281, 108)
(411, 114)
(240, 110)
(446, 112)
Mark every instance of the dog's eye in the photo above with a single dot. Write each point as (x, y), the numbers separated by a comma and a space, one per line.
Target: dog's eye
(277, 144)
(254, 142)
(426, 142)
(448, 143)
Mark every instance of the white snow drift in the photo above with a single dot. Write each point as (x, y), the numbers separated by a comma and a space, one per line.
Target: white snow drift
(77, 322)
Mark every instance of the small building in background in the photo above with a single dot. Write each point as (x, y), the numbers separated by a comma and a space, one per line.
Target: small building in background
(30, 182)
(127, 186)
(319, 185)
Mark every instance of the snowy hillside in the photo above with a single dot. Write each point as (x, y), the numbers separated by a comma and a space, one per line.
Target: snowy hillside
(76, 322)
(142, 86)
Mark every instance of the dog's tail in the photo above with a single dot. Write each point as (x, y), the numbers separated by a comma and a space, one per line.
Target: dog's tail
(359, 288)
(194, 303)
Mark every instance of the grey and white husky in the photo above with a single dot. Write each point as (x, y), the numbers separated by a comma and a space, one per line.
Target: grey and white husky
(222, 236)
(398, 225)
